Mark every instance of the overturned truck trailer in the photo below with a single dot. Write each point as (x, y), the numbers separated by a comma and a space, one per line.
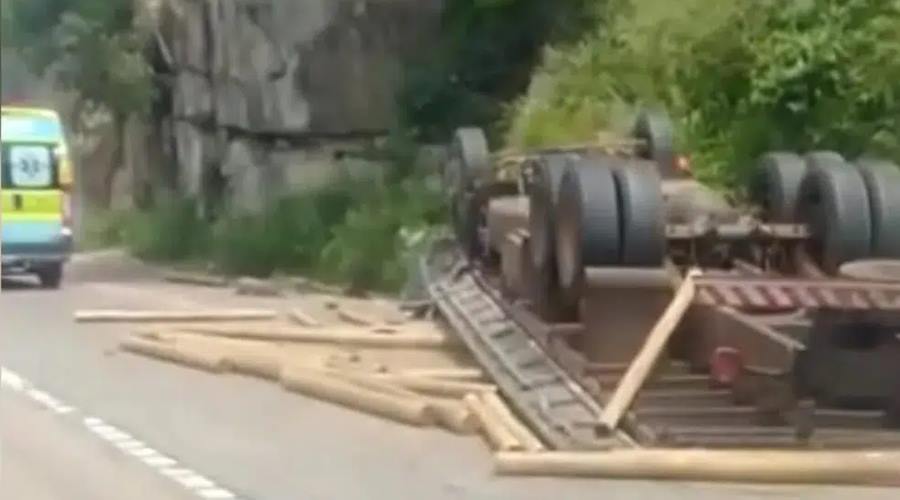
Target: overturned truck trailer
(618, 302)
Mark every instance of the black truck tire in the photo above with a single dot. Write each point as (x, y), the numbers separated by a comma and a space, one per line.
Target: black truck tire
(51, 275)
(470, 148)
(466, 220)
(882, 180)
(779, 178)
(655, 129)
(835, 205)
(641, 214)
(547, 174)
(588, 231)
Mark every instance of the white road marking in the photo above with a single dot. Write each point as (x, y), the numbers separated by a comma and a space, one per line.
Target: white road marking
(159, 461)
(215, 493)
(110, 433)
(196, 481)
(168, 467)
(49, 401)
(142, 452)
(11, 380)
(129, 444)
(176, 472)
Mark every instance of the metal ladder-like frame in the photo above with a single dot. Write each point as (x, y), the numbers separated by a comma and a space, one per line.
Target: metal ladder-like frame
(543, 394)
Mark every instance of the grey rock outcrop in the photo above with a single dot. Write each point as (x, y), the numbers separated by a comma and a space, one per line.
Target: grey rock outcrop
(258, 87)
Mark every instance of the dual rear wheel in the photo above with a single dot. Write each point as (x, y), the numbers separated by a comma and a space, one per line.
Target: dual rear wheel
(610, 213)
(852, 210)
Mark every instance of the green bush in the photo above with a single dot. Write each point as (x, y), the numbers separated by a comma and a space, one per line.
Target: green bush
(369, 249)
(360, 233)
(167, 233)
(289, 236)
(102, 229)
(739, 78)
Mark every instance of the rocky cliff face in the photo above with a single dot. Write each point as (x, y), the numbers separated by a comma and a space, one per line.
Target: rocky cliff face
(260, 88)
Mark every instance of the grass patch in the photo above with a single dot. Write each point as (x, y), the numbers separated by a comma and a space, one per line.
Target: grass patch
(290, 236)
(169, 233)
(357, 233)
(101, 229)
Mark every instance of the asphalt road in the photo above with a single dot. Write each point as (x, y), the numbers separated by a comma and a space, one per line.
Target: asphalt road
(49, 458)
(251, 439)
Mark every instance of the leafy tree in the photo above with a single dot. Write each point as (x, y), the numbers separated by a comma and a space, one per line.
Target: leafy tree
(487, 52)
(740, 78)
(92, 47)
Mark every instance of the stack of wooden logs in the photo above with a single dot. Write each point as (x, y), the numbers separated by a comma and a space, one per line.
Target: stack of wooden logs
(340, 363)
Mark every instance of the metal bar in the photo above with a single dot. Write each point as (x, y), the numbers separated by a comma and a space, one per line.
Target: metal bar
(879, 299)
(830, 284)
(706, 297)
(858, 301)
(738, 231)
(828, 296)
(748, 268)
(630, 278)
(730, 298)
(806, 298)
(756, 298)
(782, 300)
(806, 265)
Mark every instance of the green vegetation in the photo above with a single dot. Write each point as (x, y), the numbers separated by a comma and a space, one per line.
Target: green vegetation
(487, 52)
(739, 78)
(92, 48)
(170, 232)
(369, 248)
(355, 232)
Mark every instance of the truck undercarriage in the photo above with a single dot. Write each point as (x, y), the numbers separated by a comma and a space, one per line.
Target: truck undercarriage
(617, 302)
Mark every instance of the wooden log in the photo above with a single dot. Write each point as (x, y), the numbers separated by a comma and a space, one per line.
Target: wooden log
(464, 374)
(452, 415)
(369, 382)
(495, 432)
(498, 408)
(257, 287)
(215, 362)
(189, 278)
(332, 336)
(257, 364)
(355, 317)
(300, 317)
(643, 363)
(353, 363)
(744, 466)
(155, 335)
(112, 315)
(441, 388)
(321, 386)
(390, 312)
(415, 305)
